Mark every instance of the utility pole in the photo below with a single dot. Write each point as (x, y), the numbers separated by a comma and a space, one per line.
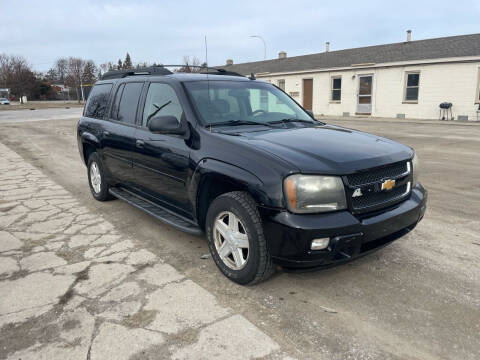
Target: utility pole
(264, 45)
(81, 89)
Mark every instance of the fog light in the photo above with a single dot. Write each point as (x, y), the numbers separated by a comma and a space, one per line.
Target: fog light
(320, 244)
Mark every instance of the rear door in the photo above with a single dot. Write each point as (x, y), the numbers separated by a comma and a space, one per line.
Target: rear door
(161, 162)
(119, 133)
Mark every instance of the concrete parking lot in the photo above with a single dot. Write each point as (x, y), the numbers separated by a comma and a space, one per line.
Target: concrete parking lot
(88, 280)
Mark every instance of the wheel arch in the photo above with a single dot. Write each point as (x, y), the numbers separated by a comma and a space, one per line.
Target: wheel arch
(213, 178)
(90, 144)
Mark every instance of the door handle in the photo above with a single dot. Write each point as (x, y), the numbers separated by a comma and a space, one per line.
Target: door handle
(140, 144)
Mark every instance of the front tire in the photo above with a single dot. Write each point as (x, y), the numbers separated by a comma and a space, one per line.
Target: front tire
(236, 240)
(96, 178)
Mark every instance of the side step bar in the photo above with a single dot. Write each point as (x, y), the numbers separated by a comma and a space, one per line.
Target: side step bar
(157, 211)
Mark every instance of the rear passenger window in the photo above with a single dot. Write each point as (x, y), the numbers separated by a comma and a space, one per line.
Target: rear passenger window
(161, 100)
(116, 103)
(127, 109)
(97, 101)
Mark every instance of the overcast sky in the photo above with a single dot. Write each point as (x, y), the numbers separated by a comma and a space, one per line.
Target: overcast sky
(164, 31)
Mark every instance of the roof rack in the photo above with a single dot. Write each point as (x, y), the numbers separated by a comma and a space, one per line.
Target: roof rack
(161, 70)
(118, 74)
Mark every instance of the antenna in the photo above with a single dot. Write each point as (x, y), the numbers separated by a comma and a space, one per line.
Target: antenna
(206, 51)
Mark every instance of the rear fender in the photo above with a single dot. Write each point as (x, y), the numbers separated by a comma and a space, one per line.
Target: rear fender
(90, 139)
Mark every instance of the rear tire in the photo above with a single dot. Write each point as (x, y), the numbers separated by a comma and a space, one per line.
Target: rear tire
(96, 178)
(236, 240)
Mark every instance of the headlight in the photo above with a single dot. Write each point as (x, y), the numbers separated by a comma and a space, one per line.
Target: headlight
(312, 193)
(415, 169)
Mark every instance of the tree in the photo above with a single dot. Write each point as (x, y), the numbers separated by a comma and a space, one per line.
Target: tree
(16, 74)
(89, 70)
(108, 66)
(191, 66)
(4, 69)
(141, 65)
(61, 68)
(44, 90)
(120, 65)
(127, 64)
(51, 75)
(75, 75)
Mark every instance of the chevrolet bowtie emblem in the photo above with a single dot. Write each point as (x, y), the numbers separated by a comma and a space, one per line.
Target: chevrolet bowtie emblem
(388, 184)
(357, 192)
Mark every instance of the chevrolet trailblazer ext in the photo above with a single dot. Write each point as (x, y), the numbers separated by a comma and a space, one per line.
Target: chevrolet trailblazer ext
(240, 160)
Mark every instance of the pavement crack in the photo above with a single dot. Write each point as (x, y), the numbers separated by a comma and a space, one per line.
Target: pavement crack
(79, 276)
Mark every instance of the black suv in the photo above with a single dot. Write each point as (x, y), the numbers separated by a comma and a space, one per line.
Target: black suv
(240, 160)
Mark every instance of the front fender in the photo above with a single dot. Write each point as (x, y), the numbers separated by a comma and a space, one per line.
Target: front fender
(230, 173)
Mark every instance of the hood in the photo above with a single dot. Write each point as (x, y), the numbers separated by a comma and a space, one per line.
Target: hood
(328, 149)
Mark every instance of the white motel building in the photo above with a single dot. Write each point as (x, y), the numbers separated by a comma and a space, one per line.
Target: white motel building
(403, 80)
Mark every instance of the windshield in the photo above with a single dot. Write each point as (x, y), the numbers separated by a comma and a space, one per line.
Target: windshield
(227, 101)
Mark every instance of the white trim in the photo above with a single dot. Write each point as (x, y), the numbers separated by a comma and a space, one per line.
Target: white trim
(372, 75)
(477, 93)
(332, 78)
(405, 86)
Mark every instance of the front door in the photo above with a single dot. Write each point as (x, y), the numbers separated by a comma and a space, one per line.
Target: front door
(161, 162)
(365, 86)
(307, 94)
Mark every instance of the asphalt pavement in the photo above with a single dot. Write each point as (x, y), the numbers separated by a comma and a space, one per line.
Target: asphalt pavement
(418, 298)
(21, 116)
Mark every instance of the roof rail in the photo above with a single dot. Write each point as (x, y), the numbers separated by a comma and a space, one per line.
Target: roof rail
(118, 74)
(162, 70)
(205, 69)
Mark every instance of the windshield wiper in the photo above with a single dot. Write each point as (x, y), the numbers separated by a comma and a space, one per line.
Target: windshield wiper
(291, 120)
(238, 123)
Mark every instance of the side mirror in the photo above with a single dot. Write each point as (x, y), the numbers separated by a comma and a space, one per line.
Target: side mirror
(310, 112)
(165, 125)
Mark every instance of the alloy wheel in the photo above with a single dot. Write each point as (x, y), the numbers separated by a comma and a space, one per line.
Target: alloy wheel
(95, 177)
(231, 240)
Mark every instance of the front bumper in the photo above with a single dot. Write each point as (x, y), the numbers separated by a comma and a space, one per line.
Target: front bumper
(289, 235)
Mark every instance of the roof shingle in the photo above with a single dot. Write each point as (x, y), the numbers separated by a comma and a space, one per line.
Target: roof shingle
(438, 48)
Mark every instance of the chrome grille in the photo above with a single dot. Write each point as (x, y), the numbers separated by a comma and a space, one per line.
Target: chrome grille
(376, 199)
(368, 177)
(370, 183)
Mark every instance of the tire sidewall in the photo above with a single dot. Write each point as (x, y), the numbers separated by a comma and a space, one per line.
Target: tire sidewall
(249, 271)
(103, 193)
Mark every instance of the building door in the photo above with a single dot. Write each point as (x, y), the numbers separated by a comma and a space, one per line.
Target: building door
(307, 94)
(365, 85)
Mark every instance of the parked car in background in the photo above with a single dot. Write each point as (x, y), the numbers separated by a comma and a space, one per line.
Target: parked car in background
(4, 101)
(240, 160)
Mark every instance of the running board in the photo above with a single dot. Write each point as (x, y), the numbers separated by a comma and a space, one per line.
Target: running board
(157, 211)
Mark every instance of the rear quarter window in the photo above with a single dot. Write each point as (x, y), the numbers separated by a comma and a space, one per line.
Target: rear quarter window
(97, 101)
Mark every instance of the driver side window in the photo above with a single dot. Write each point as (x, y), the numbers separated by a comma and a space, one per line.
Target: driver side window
(161, 101)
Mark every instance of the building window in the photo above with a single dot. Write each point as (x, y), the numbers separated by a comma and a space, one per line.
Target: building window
(411, 87)
(281, 84)
(336, 89)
